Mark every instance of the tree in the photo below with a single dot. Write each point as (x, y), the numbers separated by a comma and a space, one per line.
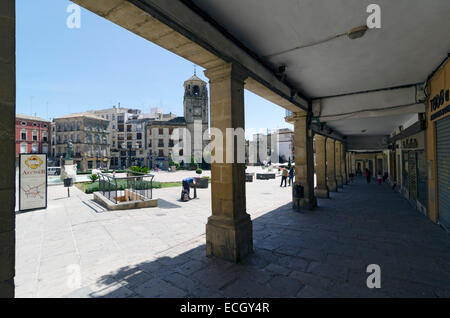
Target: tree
(193, 164)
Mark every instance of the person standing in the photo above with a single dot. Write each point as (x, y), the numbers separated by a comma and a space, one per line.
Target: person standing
(380, 178)
(368, 175)
(291, 175)
(284, 176)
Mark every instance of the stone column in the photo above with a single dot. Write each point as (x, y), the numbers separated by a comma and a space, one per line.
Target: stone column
(321, 190)
(229, 228)
(343, 165)
(304, 160)
(338, 158)
(7, 142)
(331, 165)
(353, 162)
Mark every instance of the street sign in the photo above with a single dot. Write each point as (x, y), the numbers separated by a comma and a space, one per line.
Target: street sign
(32, 182)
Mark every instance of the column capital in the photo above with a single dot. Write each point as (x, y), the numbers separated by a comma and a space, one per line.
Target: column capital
(226, 70)
(299, 115)
(320, 137)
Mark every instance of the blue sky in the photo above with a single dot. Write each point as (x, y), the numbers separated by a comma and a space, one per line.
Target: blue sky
(62, 70)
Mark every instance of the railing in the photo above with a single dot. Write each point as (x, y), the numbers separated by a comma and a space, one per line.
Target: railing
(137, 187)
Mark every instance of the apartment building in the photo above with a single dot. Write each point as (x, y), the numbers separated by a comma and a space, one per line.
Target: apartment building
(32, 134)
(90, 138)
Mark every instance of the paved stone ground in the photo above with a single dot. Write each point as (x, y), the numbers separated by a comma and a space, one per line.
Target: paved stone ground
(323, 253)
(76, 231)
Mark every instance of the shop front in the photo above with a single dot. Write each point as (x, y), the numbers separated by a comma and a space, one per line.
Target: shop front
(438, 145)
(413, 176)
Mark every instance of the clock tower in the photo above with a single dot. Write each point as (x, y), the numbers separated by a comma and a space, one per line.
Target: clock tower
(196, 107)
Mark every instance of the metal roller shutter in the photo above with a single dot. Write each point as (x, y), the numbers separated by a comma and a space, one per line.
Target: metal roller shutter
(443, 172)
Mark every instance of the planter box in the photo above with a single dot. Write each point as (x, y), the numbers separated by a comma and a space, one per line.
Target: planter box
(202, 183)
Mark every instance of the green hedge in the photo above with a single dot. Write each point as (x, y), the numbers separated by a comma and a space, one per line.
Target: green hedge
(121, 185)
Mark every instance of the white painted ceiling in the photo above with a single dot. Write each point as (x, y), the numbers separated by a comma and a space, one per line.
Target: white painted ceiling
(412, 42)
(372, 126)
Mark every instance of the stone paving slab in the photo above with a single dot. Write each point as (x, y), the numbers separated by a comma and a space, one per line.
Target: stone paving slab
(321, 253)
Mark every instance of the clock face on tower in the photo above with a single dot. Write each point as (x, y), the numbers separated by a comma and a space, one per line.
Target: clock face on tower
(197, 111)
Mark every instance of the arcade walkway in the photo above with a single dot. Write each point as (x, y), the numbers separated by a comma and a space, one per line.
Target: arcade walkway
(323, 253)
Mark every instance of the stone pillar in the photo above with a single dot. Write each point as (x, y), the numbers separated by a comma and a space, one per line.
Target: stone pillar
(229, 228)
(338, 158)
(304, 160)
(343, 165)
(321, 190)
(7, 142)
(331, 165)
(353, 162)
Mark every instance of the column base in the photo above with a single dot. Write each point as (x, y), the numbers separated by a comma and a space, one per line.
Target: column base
(332, 186)
(322, 193)
(7, 289)
(305, 204)
(229, 240)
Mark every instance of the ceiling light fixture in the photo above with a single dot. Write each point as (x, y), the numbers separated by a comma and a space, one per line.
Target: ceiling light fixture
(357, 33)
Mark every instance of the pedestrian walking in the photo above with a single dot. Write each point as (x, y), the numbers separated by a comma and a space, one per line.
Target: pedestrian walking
(284, 176)
(380, 178)
(368, 175)
(291, 175)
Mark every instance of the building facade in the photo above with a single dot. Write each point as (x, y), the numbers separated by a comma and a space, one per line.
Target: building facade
(32, 134)
(160, 144)
(90, 139)
(285, 139)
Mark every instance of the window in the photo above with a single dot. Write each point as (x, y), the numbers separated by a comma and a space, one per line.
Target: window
(161, 143)
(45, 148)
(161, 153)
(45, 126)
(23, 148)
(23, 123)
(44, 136)
(34, 148)
(196, 90)
(35, 137)
(161, 131)
(113, 117)
(139, 136)
(23, 134)
(34, 125)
